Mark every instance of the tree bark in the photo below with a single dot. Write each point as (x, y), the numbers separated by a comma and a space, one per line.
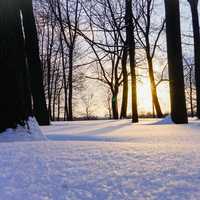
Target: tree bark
(191, 93)
(125, 85)
(131, 48)
(70, 82)
(115, 106)
(34, 64)
(174, 50)
(196, 35)
(15, 101)
(154, 94)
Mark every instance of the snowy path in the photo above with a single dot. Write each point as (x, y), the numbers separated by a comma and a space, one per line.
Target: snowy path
(104, 160)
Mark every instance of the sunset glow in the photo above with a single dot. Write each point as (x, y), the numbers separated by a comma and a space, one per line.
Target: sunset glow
(145, 99)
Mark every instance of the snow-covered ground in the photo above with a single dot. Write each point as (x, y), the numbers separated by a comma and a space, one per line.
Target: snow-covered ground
(104, 160)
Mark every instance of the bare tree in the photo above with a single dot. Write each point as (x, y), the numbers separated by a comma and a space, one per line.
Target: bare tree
(107, 43)
(68, 24)
(190, 85)
(149, 34)
(88, 103)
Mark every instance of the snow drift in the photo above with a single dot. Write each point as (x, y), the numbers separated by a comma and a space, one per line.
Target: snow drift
(166, 120)
(30, 133)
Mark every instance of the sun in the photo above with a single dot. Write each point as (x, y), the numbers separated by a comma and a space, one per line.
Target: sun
(145, 98)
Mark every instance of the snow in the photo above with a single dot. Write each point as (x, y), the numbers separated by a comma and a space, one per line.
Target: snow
(166, 120)
(30, 133)
(104, 160)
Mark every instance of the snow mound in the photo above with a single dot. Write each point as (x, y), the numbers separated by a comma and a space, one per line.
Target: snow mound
(166, 120)
(30, 133)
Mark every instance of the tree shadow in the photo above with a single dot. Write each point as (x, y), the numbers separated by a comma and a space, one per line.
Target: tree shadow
(98, 134)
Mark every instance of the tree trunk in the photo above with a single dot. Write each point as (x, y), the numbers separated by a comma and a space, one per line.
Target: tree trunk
(174, 50)
(54, 102)
(115, 106)
(64, 80)
(70, 82)
(35, 68)
(191, 93)
(196, 35)
(125, 85)
(58, 112)
(15, 101)
(48, 65)
(131, 47)
(154, 94)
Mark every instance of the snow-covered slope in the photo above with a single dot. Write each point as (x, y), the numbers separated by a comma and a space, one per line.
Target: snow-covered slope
(104, 160)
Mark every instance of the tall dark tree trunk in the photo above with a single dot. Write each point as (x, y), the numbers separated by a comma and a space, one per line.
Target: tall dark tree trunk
(174, 50)
(115, 105)
(35, 67)
(131, 48)
(196, 35)
(58, 110)
(50, 40)
(27, 91)
(15, 101)
(125, 85)
(70, 82)
(54, 102)
(191, 92)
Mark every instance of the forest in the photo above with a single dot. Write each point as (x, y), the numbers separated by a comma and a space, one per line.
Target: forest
(83, 43)
(117, 46)
(70, 58)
